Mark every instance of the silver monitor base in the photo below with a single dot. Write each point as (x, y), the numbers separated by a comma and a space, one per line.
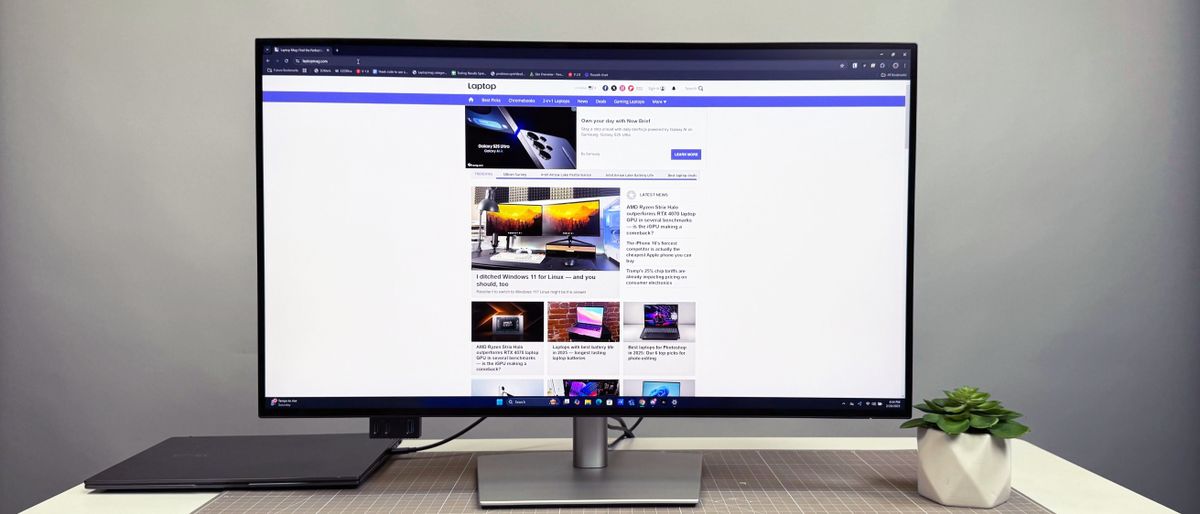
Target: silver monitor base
(548, 478)
(561, 478)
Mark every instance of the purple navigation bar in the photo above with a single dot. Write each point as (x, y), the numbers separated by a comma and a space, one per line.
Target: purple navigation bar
(582, 101)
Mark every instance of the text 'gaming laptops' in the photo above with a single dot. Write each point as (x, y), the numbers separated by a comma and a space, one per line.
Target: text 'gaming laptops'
(589, 322)
(661, 322)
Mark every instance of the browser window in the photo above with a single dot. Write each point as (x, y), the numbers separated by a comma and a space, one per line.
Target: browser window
(531, 228)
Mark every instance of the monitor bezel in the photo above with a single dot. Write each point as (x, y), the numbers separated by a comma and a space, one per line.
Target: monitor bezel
(905, 410)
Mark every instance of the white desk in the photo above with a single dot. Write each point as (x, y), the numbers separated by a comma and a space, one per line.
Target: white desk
(1049, 480)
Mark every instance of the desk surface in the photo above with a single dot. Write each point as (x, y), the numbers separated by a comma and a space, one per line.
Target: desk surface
(483, 261)
(1047, 479)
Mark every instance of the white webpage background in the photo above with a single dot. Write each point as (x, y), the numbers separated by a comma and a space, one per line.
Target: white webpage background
(802, 263)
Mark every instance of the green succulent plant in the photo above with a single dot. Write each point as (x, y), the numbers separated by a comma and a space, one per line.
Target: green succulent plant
(967, 409)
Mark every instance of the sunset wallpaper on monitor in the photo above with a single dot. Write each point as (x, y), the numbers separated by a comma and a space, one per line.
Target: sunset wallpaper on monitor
(515, 219)
(576, 218)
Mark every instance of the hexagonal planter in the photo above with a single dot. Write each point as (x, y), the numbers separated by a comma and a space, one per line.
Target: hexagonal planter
(965, 470)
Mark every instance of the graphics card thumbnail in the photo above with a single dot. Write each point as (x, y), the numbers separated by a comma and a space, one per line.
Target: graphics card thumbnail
(507, 321)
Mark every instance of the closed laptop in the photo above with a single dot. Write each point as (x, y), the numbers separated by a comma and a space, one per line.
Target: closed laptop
(236, 462)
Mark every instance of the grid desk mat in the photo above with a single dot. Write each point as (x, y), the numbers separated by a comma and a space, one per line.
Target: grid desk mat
(733, 481)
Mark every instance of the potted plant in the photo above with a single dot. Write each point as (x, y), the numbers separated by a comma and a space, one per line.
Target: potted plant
(963, 451)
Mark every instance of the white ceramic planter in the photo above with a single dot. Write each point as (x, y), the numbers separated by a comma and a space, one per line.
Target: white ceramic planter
(965, 470)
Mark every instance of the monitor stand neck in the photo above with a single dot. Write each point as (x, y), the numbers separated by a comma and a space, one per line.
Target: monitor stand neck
(589, 475)
(589, 446)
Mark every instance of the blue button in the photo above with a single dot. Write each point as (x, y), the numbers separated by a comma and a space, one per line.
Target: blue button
(685, 154)
(499, 401)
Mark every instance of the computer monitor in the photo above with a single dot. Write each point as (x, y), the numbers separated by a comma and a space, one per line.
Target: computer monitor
(515, 220)
(573, 219)
(767, 187)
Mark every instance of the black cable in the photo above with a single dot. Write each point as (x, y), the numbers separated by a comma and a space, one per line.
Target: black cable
(413, 449)
(635, 425)
(620, 426)
(626, 431)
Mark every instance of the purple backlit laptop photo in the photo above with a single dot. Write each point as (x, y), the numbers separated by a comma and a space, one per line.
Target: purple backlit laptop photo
(589, 322)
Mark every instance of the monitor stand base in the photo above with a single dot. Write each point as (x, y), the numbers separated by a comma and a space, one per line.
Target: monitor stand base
(589, 476)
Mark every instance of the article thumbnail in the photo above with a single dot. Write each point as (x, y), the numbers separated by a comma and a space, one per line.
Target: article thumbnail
(659, 321)
(507, 321)
(584, 322)
(520, 137)
(543, 228)
(666, 387)
(582, 387)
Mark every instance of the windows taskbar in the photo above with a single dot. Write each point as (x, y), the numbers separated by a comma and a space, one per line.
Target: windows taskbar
(574, 404)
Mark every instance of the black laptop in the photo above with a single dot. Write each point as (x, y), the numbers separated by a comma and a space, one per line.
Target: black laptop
(661, 321)
(248, 462)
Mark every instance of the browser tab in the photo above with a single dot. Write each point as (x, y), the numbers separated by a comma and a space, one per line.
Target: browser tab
(301, 50)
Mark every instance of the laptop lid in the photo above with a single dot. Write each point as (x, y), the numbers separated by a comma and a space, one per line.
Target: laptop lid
(660, 388)
(589, 315)
(275, 461)
(660, 315)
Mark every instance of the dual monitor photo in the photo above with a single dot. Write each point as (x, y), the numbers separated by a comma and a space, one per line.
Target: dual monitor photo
(566, 219)
(546, 228)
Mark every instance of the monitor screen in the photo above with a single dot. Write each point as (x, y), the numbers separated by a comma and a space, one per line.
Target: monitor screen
(661, 315)
(515, 220)
(760, 195)
(589, 315)
(573, 219)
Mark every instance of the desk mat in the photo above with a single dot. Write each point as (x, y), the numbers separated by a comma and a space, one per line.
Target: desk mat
(733, 481)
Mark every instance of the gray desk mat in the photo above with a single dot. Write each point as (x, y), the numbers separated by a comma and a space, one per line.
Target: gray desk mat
(843, 481)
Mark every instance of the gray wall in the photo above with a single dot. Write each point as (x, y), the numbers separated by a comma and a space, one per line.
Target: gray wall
(1058, 221)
